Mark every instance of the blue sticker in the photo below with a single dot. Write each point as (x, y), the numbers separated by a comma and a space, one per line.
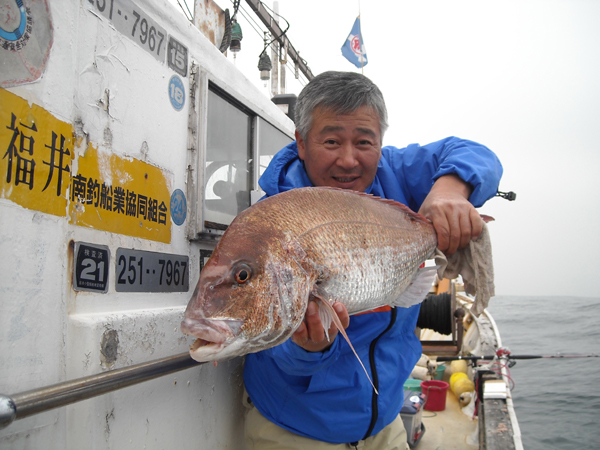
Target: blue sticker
(176, 92)
(178, 207)
(15, 33)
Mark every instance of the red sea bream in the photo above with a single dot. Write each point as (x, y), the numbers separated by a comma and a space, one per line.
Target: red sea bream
(323, 243)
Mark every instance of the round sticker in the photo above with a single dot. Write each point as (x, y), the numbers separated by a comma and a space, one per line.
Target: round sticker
(26, 36)
(176, 92)
(12, 27)
(178, 207)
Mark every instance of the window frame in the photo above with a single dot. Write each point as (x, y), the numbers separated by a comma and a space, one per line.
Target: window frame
(201, 84)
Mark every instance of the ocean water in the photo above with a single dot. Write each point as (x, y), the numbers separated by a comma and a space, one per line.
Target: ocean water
(557, 401)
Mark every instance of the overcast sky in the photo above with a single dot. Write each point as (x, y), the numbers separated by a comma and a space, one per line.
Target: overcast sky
(522, 77)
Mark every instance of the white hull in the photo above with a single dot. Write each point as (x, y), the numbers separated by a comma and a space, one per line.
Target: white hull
(114, 93)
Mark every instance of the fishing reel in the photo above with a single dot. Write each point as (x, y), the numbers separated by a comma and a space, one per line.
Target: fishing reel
(504, 352)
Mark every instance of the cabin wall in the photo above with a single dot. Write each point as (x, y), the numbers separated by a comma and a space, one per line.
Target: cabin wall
(117, 104)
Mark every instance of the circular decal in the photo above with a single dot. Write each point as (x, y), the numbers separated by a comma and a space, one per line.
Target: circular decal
(355, 45)
(178, 207)
(176, 92)
(25, 40)
(14, 21)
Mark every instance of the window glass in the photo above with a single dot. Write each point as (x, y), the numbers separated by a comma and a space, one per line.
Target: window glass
(228, 162)
(270, 141)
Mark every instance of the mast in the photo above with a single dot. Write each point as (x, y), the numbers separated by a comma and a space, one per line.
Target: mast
(275, 30)
(275, 58)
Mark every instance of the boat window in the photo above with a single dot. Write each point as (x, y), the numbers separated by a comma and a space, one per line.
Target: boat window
(228, 169)
(270, 141)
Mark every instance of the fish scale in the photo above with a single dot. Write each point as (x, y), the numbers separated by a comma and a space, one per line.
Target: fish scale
(339, 245)
(362, 261)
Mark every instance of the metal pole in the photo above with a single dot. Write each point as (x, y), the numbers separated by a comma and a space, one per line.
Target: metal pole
(276, 31)
(282, 63)
(39, 400)
(275, 58)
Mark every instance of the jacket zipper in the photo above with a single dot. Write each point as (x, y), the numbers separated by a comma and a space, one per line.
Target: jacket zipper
(374, 408)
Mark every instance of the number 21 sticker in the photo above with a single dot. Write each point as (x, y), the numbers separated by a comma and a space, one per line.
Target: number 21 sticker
(90, 268)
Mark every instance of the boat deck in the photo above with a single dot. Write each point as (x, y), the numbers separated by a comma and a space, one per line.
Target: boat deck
(449, 429)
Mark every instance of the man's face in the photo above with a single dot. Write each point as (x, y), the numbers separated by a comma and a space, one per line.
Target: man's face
(342, 150)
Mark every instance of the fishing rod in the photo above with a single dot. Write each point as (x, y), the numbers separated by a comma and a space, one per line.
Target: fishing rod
(503, 353)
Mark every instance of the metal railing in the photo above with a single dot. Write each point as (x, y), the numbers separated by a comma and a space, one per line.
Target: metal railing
(43, 399)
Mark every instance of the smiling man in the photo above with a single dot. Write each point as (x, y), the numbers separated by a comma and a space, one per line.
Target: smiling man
(342, 150)
(310, 392)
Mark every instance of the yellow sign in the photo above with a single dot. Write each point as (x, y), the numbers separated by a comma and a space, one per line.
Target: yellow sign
(120, 195)
(108, 192)
(37, 154)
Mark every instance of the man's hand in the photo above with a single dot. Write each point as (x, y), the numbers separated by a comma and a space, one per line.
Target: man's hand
(455, 219)
(310, 335)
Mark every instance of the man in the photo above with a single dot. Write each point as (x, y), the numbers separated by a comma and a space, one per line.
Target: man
(310, 392)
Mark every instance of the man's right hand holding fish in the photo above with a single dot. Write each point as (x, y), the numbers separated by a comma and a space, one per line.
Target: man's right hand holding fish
(311, 335)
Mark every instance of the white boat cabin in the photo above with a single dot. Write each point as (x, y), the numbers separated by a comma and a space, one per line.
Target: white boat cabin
(129, 142)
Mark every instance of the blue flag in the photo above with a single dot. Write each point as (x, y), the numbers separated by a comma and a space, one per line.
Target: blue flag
(354, 47)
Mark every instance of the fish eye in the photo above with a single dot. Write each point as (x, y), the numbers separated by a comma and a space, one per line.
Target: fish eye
(242, 273)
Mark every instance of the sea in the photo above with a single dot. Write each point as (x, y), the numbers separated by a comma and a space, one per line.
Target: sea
(557, 401)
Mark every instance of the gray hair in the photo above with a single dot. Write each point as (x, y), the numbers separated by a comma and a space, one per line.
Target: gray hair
(343, 93)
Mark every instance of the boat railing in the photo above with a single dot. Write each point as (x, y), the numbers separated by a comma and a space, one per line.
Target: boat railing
(35, 401)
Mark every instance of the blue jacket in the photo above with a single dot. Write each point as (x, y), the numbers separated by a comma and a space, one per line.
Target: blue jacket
(326, 395)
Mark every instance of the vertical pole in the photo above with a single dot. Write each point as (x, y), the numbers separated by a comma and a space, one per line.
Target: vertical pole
(275, 56)
(362, 68)
(283, 62)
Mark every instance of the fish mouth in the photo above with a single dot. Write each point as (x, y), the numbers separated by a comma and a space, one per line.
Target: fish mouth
(201, 349)
(213, 336)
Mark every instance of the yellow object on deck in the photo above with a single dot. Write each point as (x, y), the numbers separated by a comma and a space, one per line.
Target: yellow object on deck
(443, 286)
(460, 383)
(458, 366)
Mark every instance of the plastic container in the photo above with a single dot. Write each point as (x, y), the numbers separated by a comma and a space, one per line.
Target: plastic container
(412, 385)
(439, 372)
(435, 390)
(411, 414)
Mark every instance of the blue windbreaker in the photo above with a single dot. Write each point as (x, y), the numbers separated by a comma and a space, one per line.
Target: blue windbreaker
(326, 395)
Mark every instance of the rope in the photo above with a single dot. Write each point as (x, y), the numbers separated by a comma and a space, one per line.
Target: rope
(436, 313)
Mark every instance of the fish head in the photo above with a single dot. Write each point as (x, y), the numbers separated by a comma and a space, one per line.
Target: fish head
(249, 297)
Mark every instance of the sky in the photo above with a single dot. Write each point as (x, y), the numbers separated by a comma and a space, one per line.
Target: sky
(521, 77)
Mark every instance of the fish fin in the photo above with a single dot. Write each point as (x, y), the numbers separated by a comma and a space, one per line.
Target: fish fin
(415, 293)
(333, 317)
(325, 315)
(418, 289)
(411, 214)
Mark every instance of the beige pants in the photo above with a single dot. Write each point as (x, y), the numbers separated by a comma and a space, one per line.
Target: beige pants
(262, 434)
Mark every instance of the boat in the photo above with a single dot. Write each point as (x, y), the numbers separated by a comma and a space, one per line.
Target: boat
(480, 413)
(129, 143)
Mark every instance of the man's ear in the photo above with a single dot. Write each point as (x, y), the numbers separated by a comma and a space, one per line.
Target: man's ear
(301, 145)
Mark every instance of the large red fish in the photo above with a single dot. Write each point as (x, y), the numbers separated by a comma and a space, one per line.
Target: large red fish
(330, 244)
